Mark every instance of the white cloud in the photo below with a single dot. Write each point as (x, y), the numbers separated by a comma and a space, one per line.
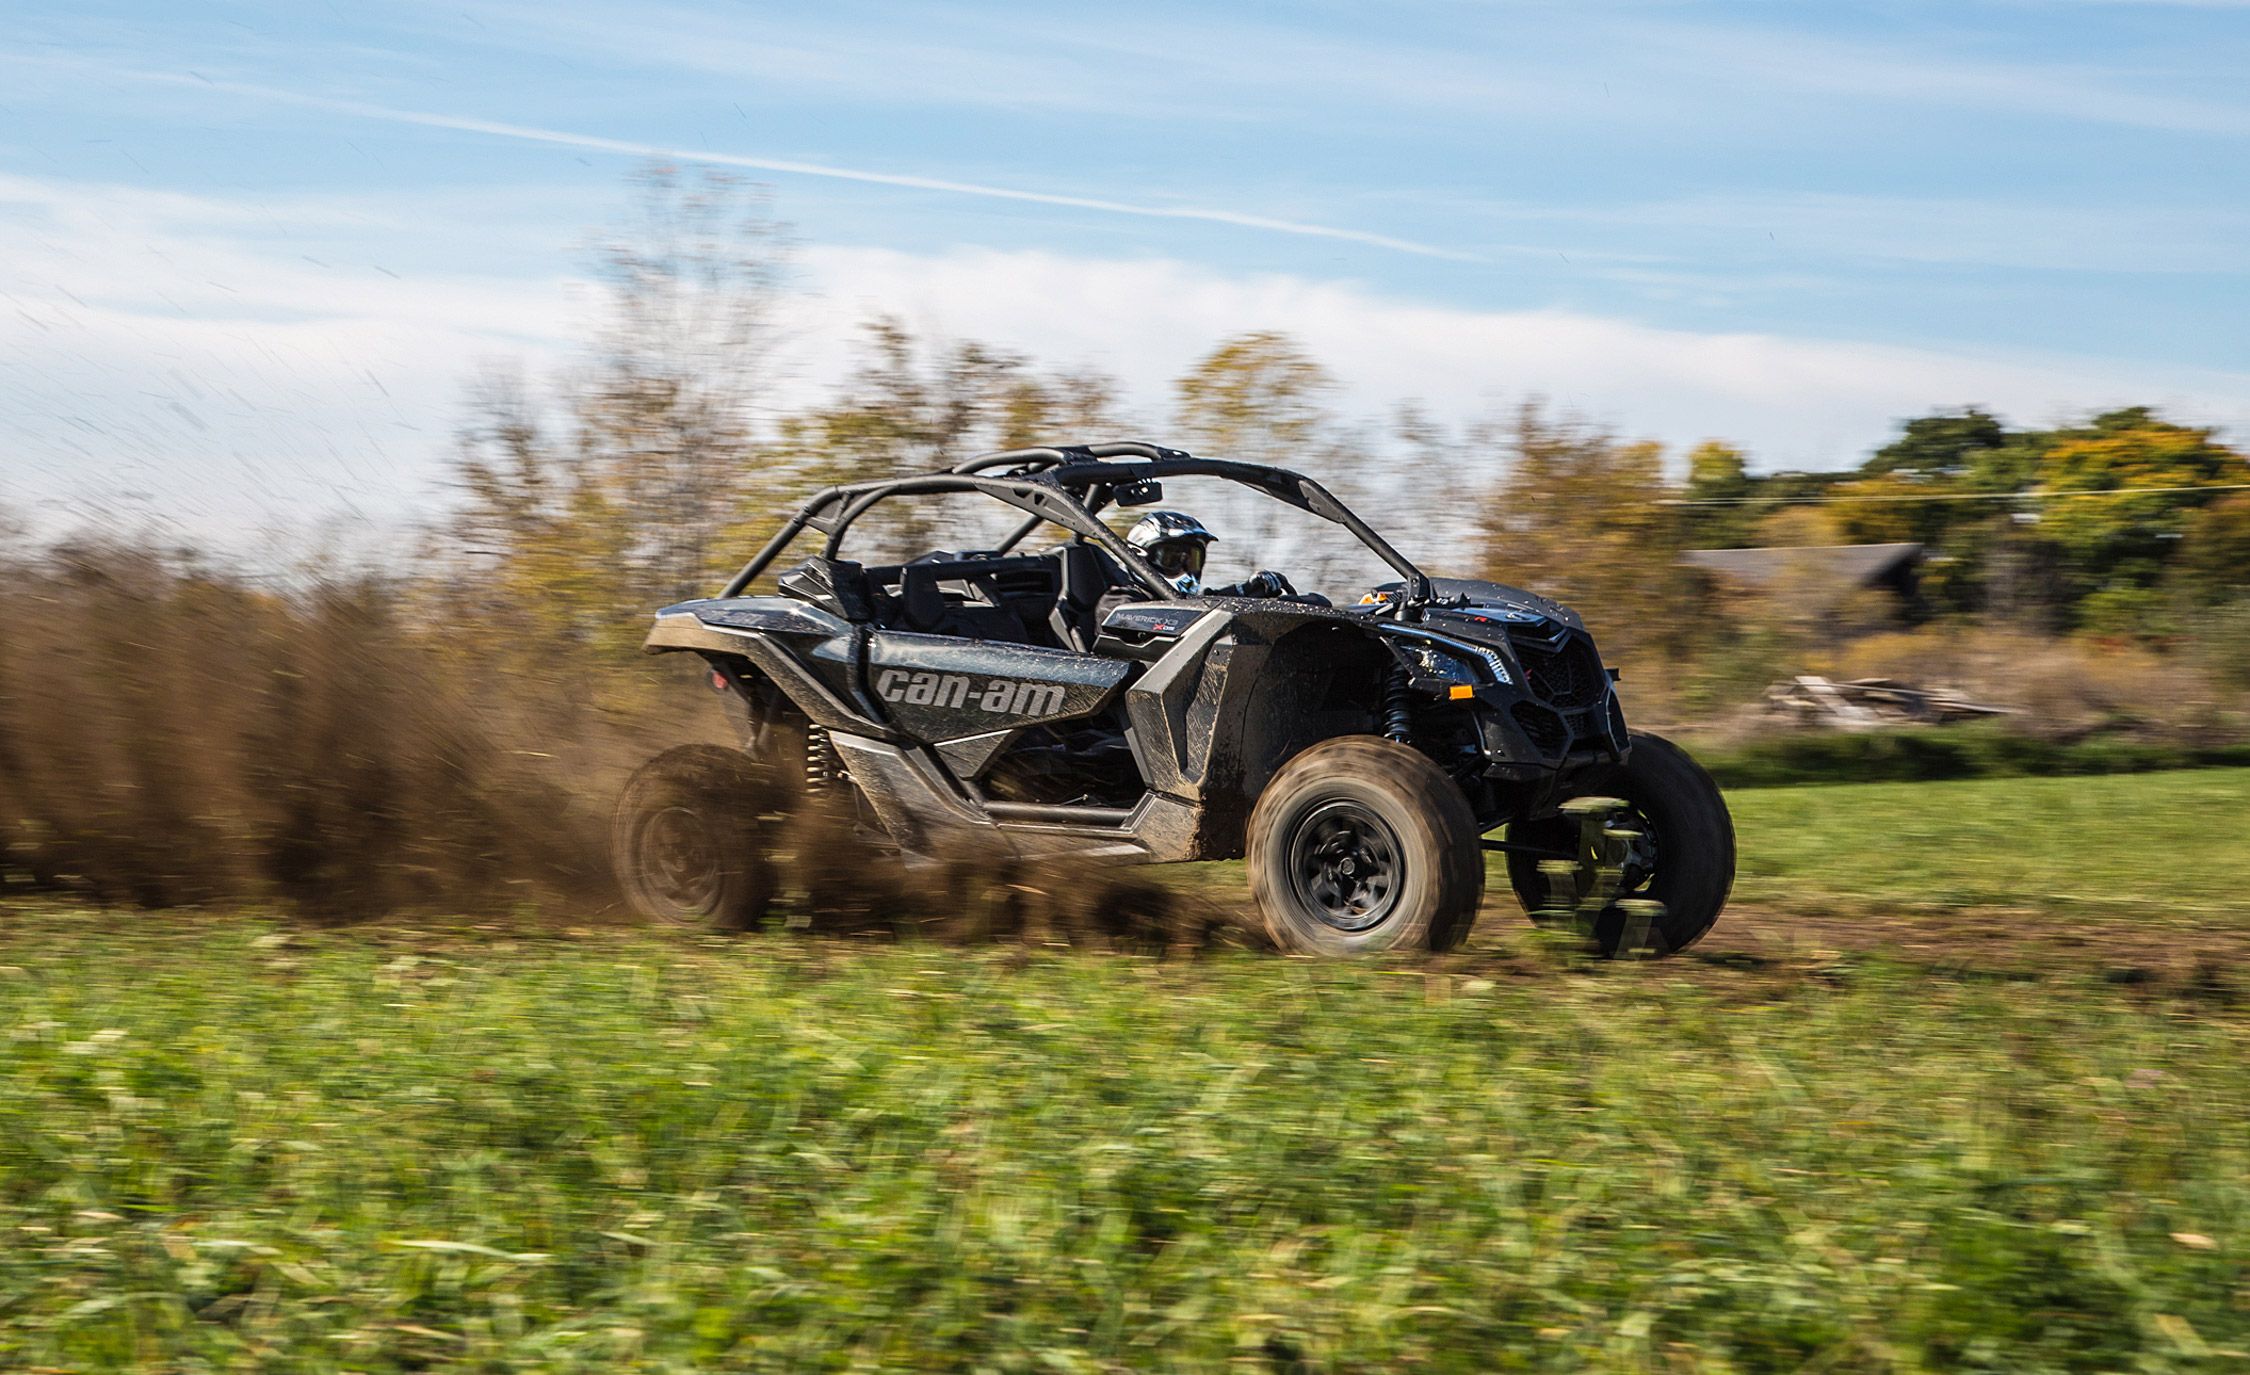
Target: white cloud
(155, 361)
(185, 348)
(1794, 401)
(2046, 236)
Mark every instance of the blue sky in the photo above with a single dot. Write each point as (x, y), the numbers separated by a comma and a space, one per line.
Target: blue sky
(251, 252)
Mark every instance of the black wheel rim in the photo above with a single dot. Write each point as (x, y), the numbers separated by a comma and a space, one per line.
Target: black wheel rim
(1638, 867)
(1344, 864)
(680, 863)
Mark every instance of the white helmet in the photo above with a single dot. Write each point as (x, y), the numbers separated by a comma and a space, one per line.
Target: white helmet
(1174, 541)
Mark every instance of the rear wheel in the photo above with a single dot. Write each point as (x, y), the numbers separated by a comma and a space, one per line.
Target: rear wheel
(685, 840)
(1361, 845)
(1678, 850)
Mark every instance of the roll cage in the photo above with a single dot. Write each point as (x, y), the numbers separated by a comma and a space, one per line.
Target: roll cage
(1068, 485)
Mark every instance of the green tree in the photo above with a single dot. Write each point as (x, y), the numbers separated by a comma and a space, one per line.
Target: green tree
(1944, 482)
(2116, 496)
(1933, 485)
(1964, 446)
(1718, 473)
(2213, 563)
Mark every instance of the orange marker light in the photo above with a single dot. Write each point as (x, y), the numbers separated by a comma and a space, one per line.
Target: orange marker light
(1460, 691)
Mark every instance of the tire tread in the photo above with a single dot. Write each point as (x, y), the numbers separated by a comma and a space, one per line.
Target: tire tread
(1422, 790)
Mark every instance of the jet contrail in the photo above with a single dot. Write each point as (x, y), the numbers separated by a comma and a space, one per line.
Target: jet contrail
(597, 143)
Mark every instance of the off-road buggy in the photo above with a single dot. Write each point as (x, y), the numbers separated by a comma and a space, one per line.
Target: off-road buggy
(1364, 757)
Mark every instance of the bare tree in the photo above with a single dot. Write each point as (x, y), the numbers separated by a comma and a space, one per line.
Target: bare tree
(667, 415)
(623, 498)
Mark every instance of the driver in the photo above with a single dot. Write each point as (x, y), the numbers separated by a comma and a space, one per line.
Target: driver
(1175, 543)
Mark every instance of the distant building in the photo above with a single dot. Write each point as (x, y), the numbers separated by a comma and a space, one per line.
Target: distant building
(1824, 574)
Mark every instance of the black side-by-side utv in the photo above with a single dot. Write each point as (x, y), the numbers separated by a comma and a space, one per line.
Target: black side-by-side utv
(1070, 699)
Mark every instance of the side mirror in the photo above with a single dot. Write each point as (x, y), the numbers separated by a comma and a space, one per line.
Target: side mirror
(1146, 491)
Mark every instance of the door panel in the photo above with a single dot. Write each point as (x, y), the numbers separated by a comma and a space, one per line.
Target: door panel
(942, 687)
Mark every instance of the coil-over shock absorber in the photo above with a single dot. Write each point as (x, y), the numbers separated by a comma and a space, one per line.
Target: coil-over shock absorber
(822, 768)
(1398, 706)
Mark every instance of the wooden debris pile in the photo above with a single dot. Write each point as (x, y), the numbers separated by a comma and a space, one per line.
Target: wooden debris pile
(1871, 703)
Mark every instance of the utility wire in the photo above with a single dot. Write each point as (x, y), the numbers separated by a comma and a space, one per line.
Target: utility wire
(1947, 496)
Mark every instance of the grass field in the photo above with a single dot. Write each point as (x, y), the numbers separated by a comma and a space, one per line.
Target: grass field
(228, 1144)
(2145, 843)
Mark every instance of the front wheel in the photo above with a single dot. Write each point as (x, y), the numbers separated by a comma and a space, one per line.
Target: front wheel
(685, 840)
(1679, 851)
(1361, 845)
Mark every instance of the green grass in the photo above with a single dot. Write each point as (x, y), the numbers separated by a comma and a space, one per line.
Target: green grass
(232, 1145)
(368, 1152)
(2156, 842)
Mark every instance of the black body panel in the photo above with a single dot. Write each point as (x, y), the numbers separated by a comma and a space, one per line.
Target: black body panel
(973, 697)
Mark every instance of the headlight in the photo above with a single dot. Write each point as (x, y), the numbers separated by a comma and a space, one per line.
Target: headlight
(1453, 664)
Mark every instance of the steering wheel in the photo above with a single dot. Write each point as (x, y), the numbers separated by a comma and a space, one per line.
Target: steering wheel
(1276, 586)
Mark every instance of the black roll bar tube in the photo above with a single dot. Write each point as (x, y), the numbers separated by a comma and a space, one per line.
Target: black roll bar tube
(1035, 494)
(1047, 490)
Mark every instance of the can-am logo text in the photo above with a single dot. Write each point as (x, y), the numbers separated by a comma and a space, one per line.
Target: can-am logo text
(1001, 696)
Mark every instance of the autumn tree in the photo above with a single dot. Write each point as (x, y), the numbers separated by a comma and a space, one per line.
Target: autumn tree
(1398, 469)
(1796, 525)
(2213, 564)
(913, 405)
(1580, 514)
(680, 366)
(2117, 495)
(540, 536)
(1260, 398)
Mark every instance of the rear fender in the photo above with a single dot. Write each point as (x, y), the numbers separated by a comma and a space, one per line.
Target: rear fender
(805, 652)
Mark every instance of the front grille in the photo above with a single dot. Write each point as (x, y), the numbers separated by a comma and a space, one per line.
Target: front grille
(1546, 729)
(1566, 674)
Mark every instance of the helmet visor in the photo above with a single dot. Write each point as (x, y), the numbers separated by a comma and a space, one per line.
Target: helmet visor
(1173, 557)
